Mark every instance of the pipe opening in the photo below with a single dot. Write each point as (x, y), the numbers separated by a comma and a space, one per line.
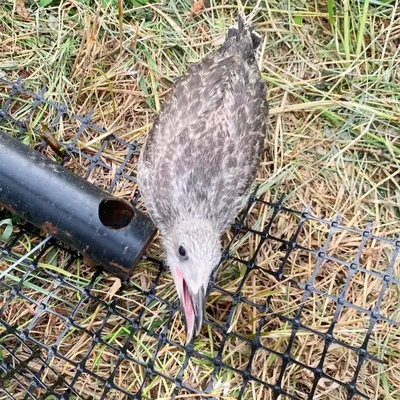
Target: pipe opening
(115, 214)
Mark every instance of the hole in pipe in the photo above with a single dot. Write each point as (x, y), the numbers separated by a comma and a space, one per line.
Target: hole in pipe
(115, 214)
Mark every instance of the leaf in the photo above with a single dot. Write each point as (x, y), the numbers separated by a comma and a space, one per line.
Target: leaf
(45, 3)
(140, 3)
(298, 20)
(143, 86)
(115, 287)
(197, 6)
(331, 11)
(21, 9)
(107, 3)
(7, 231)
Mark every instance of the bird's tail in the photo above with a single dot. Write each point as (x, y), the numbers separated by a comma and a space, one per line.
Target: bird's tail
(240, 30)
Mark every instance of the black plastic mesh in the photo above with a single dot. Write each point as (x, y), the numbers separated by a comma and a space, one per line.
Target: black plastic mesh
(32, 360)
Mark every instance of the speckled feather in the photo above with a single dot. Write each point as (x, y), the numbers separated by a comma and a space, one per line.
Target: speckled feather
(202, 154)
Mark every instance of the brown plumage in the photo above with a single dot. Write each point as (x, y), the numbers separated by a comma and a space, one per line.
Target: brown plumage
(200, 160)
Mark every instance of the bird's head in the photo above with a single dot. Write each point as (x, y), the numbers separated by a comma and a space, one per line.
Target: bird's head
(193, 250)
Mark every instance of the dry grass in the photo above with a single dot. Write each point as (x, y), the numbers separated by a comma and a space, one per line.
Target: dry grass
(333, 143)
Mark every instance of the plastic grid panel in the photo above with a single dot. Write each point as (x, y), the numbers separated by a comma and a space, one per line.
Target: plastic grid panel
(27, 371)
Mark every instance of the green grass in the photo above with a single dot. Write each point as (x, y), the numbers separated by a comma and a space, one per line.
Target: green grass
(332, 69)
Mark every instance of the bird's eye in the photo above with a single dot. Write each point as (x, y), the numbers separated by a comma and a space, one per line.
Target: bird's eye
(182, 251)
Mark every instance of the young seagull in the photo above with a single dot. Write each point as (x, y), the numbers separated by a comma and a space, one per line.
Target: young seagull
(200, 160)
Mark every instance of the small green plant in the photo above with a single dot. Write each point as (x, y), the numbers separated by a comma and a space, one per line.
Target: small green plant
(104, 3)
(8, 229)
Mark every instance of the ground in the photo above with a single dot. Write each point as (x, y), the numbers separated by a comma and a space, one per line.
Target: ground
(333, 75)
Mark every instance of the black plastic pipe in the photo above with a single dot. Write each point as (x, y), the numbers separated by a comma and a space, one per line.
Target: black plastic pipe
(109, 231)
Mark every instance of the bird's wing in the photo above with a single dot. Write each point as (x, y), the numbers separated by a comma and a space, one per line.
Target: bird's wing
(213, 125)
(245, 110)
(231, 82)
(193, 96)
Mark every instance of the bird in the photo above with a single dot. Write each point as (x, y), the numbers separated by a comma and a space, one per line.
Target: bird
(200, 159)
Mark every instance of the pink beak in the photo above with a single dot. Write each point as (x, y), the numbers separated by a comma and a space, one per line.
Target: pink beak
(192, 305)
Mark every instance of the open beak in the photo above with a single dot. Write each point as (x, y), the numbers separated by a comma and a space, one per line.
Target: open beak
(192, 305)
